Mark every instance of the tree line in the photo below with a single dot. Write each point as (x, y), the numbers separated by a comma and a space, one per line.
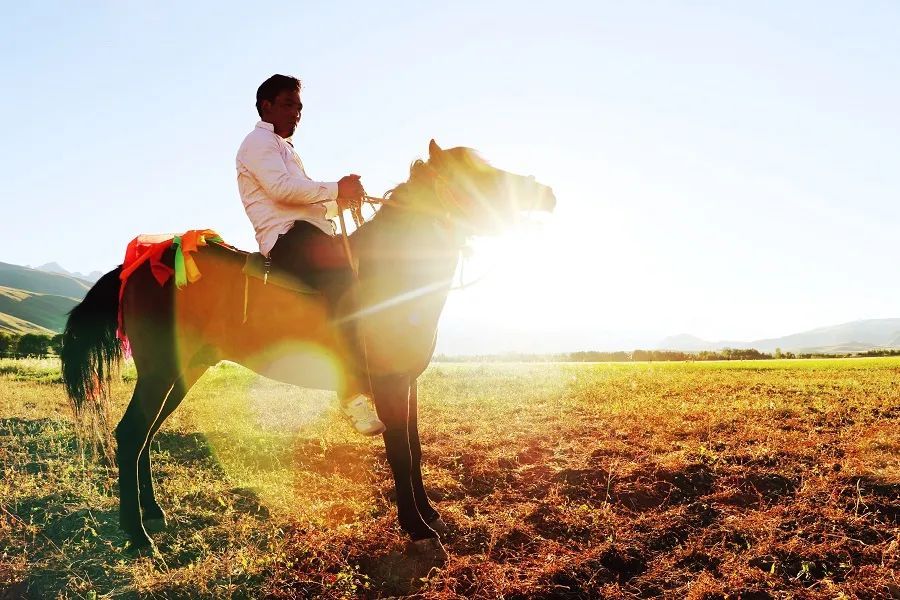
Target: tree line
(29, 345)
(657, 355)
(35, 345)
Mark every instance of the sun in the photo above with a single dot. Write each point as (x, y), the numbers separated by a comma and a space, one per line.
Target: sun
(506, 278)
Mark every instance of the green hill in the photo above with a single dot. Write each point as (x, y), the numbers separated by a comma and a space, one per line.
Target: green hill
(17, 326)
(41, 282)
(43, 311)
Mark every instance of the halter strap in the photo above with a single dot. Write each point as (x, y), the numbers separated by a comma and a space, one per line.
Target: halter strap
(443, 192)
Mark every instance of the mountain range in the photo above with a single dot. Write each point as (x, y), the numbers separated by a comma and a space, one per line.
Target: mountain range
(54, 267)
(855, 336)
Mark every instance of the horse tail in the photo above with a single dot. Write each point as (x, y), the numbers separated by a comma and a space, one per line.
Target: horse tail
(91, 352)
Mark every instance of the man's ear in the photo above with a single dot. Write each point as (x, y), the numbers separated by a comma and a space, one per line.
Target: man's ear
(434, 151)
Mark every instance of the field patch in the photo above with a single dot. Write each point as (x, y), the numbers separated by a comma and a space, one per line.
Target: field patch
(675, 480)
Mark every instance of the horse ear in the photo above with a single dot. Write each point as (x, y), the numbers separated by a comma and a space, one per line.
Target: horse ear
(433, 150)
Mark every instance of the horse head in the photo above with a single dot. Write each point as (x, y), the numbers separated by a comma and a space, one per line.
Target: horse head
(473, 195)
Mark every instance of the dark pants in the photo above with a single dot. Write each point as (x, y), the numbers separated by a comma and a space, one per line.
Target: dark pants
(320, 261)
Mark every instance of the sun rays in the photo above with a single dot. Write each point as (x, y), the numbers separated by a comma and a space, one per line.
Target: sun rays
(285, 447)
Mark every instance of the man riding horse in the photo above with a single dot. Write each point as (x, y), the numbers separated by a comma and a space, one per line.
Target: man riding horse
(408, 254)
(291, 215)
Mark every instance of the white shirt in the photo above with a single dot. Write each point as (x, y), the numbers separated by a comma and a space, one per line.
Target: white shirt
(275, 189)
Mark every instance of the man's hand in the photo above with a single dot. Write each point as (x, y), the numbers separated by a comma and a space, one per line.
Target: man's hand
(350, 190)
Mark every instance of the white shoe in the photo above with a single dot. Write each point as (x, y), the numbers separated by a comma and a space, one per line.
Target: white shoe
(362, 415)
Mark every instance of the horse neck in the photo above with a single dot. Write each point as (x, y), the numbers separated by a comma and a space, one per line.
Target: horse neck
(403, 239)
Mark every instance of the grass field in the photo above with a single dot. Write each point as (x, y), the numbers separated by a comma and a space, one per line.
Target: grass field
(772, 479)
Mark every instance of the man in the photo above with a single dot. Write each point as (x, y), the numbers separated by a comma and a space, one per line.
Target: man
(290, 213)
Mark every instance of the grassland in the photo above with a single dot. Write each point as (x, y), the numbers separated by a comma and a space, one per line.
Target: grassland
(770, 479)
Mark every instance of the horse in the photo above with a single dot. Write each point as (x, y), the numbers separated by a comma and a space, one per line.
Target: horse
(407, 255)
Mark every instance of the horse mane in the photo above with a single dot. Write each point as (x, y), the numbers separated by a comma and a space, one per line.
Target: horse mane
(399, 198)
(469, 157)
(416, 169)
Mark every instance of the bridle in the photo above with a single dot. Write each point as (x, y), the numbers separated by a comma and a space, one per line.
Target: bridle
(444, 193)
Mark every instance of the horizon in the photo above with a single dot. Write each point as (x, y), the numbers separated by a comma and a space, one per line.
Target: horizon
(662, 343)
(721, 172)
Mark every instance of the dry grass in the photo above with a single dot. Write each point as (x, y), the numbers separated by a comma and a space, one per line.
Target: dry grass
(727, 480)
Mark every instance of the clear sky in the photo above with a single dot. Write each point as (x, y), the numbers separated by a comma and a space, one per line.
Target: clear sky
(726, 169)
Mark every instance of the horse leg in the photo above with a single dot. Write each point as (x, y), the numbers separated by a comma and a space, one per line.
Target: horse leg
(429, 514)
(132, 434)
(152, 514)
(392, 404)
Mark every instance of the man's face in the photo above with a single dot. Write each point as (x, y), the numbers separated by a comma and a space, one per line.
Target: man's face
(284, 112)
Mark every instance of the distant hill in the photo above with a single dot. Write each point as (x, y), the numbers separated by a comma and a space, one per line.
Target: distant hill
(54, 267)
(855, 336)
(35, 301)
(872, 333)
(686, 342)
(11, 324)
(45, 311)
(42, 282)
(847, 348)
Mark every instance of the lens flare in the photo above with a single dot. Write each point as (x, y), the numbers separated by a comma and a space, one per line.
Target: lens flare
(284, 449)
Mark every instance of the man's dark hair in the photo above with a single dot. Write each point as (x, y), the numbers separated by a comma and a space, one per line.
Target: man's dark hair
(273, 86)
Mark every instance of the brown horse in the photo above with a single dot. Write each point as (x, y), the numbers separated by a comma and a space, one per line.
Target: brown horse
(408, 253)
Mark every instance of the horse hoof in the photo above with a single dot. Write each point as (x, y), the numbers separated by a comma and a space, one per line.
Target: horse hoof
(142, 547)
(429, 549)
(155, 525)
(438, 526)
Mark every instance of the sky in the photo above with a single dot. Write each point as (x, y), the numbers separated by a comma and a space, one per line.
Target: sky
(726, 169)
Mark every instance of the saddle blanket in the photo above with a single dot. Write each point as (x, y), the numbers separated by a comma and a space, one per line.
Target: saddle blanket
(150, 247)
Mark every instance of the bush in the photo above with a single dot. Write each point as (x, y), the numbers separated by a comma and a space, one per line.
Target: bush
(7, 344)
(33, 345)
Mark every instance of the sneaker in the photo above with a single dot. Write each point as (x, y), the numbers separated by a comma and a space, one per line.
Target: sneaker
(361, 413)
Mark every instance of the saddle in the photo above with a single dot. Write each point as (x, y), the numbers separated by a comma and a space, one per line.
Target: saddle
(258, 266)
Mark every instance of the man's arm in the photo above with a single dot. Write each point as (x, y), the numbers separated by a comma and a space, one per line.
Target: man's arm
(264, 161)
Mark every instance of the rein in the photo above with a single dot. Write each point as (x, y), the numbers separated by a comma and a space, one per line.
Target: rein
(356, 213)
(355, 209)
